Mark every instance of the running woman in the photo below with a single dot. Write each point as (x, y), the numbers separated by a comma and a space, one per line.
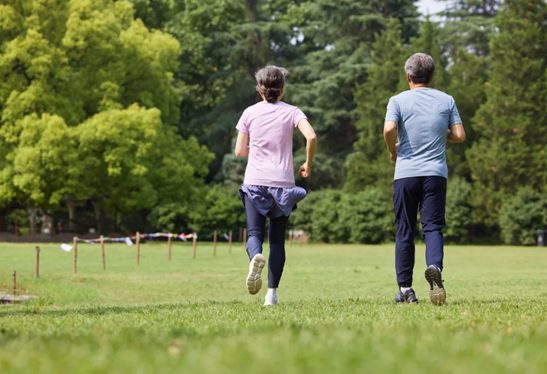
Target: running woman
(265, 137)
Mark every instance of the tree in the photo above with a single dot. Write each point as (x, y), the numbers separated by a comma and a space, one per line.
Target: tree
(469, 25)
(370, 164)
(130, 161)
(43, 167)
(511, 150)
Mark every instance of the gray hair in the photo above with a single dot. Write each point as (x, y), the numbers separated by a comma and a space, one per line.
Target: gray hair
(420, 67)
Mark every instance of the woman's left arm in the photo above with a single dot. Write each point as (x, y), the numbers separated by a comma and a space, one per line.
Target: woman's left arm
(242, 145)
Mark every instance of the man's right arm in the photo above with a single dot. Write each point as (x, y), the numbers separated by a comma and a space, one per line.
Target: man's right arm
(456, 134)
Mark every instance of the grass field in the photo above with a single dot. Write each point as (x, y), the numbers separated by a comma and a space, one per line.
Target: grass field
(337, 313)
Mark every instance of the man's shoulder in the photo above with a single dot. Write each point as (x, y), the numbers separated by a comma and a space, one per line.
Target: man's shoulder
(405, 95)
(411, 94)
(441, 94)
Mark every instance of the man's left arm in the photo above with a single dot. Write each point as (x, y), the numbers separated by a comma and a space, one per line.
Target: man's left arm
(390, 137)
(390, 128)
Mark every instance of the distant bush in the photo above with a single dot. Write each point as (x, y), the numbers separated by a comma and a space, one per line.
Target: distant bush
(459, 211)
(368, 217)
(522, 216)
(325, 221)
(340, 217)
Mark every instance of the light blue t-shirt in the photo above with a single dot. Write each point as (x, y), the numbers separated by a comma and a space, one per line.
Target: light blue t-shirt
(423, 116)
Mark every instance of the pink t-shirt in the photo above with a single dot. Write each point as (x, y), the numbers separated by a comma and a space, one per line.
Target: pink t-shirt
(270, 128)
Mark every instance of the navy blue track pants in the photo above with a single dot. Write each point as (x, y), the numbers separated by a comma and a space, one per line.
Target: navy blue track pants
(428, 194)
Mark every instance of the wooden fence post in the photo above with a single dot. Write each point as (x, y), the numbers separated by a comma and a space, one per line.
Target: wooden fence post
(169, 247)
(230, 242)
(37, 263)
(245, 239)
(102, 252)
(194, 243)
(75, 247)
(240, 233)
(215, 244)
(138, 239)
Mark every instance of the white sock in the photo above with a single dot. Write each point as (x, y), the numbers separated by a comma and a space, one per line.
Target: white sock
(404, 289)
(272, 292)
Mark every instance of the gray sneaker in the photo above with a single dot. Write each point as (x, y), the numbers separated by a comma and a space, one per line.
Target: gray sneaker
(437, 294)
(408, 297)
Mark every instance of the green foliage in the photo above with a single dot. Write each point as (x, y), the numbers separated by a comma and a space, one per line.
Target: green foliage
(429, 42)
(131, 161)
(459, 211)
(368, 217)
(469, 25)
(77, 124)
(510, 124)
(217, 208)
(332, 216)
(467, 76)
(220, 208)
(325, 217)
(522, 216)
(370, 164)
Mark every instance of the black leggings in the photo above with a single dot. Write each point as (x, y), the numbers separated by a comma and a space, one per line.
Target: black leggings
(256, 227)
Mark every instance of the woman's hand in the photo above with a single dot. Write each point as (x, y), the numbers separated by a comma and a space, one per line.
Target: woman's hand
(305, 170)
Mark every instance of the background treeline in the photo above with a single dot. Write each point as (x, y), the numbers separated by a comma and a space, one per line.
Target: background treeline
(120, 115)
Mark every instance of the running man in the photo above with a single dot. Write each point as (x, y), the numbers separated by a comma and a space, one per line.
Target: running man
(422, 120)
(265, 136)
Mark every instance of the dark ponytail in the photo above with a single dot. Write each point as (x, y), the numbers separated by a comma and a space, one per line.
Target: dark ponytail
(270, 80)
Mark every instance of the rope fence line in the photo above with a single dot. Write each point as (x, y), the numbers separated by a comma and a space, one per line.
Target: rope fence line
(34, 259)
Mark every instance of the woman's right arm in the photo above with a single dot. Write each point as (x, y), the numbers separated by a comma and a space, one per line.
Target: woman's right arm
(311, 145)
(242, 145)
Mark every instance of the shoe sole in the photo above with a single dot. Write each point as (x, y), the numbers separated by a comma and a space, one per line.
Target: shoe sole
(437, 293)
(254, 279)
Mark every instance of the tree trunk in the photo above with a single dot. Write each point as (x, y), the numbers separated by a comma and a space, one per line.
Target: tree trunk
(3, 223)
(99, 215)
(71, 207)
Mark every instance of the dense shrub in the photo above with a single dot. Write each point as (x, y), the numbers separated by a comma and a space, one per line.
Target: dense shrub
(459, 212)
(522, 216)
(368, 217)
(335, 216)
(325, 222)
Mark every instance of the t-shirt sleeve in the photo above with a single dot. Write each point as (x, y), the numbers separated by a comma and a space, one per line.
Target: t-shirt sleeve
(243, 123)
(298, 116)
(454, 117)
(393, 112)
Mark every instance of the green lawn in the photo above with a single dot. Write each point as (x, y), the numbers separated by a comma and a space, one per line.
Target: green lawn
(337, 313)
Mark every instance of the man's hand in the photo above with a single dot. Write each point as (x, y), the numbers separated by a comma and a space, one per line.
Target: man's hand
(305, 170)
(393, 156)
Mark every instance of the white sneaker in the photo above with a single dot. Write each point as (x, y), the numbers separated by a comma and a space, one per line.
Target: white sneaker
(254, 280)
(271, 298)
